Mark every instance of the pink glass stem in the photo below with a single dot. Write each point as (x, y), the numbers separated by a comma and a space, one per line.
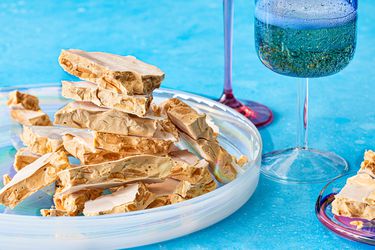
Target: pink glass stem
(259, 114)
(228, 44)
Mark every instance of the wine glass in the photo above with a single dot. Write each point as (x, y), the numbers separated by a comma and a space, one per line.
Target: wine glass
(259, 114)
(305, 39)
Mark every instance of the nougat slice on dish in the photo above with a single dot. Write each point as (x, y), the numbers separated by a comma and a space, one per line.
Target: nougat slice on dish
(369, 155)
(188, 167)
(44, 139)
(81, 146)
(163, 192)
(52, 212)
(87, 91)
(72, 204)
(24, 109)
(188, 120)
(222, 164)
(172, 191)
(130, 198)
(128, 169)
(188, 190)
(33, 177)
(88, 115)
(368, 164)
(21, 100)
(23, 158)
(357, 198)
(121, 74)
(30, 117)
(127, 144)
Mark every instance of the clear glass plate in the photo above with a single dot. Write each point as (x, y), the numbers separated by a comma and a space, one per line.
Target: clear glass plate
(340, 225)
(24, 227)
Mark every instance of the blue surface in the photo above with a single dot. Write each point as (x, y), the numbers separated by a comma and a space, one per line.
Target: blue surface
(184, 38)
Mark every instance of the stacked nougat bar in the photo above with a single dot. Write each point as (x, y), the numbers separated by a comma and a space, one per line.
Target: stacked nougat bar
(125, 147)
(357, 198)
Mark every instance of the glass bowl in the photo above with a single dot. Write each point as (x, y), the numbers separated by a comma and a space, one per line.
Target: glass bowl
(24, 227)
(340, 225)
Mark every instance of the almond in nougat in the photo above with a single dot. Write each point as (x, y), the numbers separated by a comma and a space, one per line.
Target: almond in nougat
(131, 198)
(88, 115)
(33, 177)
(87, 91)
(121, 74)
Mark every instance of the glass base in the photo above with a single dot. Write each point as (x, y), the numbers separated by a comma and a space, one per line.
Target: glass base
(257, 113)
(301, 165)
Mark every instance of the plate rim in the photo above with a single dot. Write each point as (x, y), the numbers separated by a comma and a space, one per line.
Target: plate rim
(320, 207)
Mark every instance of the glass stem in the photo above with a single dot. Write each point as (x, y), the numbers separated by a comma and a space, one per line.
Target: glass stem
(303, 113)
(228, 44)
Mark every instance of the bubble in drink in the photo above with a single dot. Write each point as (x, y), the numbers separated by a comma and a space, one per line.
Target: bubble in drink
(305, 38)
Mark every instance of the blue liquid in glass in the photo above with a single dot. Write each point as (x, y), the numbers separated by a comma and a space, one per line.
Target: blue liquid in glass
(305, 38)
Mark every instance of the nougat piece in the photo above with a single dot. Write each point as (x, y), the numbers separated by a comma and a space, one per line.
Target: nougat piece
(52, 212)
(357, 198)
(222, 164)
(30, 117)
(81, 146)
(23, 158)
(33, 177)
(128, 169)
(160, 201)
(121, 74)
(163, 192)
(131, 145)
(188, 119)
(21, 100)
(369, 155)
(131, 198)
(188, 167)
(24, 108)
(87, 91)
(188, 190)
(368, 165)
(72, 204)
(88, 115)
(44, 139)
(173, 191)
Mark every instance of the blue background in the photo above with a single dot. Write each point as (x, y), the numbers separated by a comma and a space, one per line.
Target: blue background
(185, 39)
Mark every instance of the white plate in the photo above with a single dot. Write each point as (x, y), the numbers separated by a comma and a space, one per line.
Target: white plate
(23, 227)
